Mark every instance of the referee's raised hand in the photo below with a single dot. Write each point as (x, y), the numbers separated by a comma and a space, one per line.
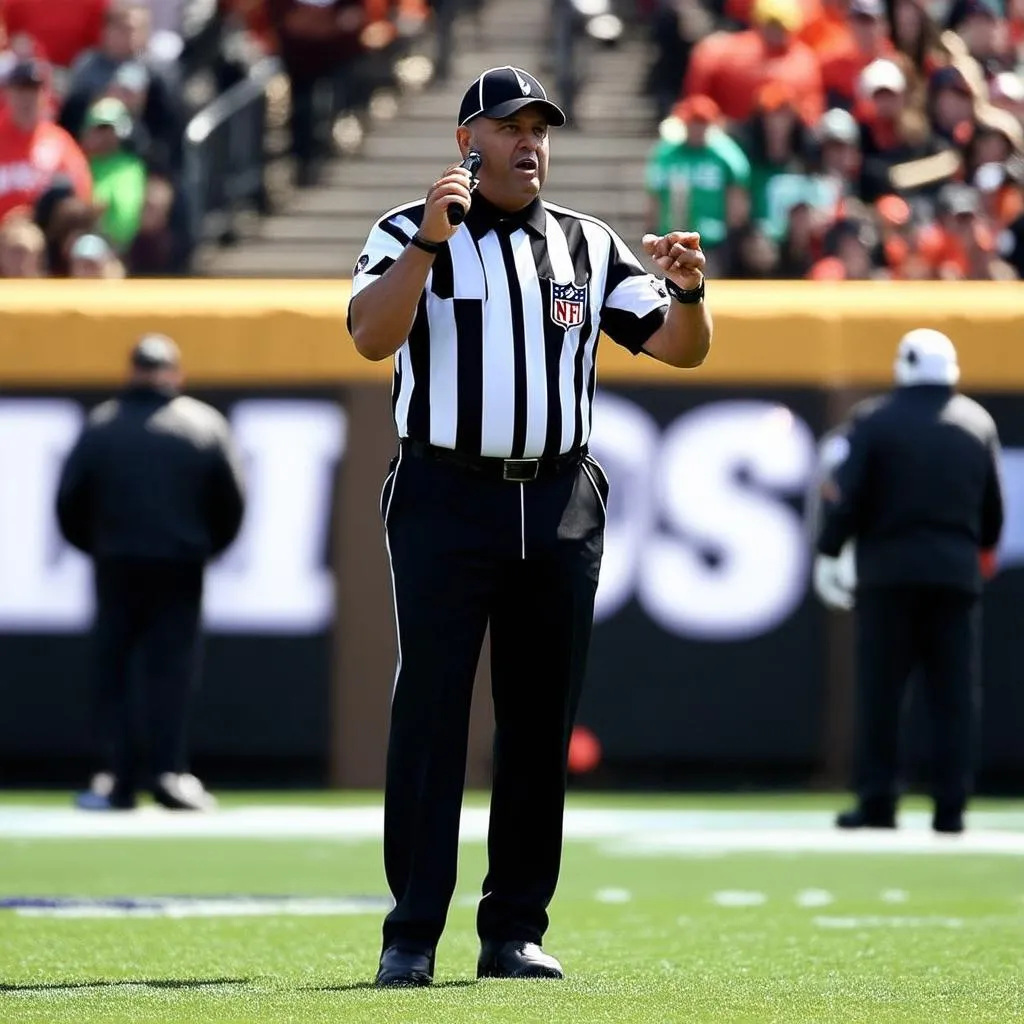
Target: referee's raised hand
(451, 187)
(679, 256)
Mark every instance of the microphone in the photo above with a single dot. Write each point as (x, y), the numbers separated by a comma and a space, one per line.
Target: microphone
(456, 214)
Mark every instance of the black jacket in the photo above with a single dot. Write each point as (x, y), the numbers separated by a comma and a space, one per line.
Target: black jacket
(919, 490)
(153, 475)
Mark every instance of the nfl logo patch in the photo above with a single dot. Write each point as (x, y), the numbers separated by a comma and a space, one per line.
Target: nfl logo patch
(568, 304)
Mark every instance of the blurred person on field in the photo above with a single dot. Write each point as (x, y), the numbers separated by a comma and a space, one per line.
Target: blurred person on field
(151, 491)
(732, 67)
(153, 251)
(22, 249)
(703, 179)
(93, 256)
(914, 485)
(33, 149)
(119, 176)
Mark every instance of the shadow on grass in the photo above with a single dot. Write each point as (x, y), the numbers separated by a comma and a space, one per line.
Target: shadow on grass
(359, 986)
(59, 986)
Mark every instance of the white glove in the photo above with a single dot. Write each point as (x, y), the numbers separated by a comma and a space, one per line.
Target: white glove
(835, 579)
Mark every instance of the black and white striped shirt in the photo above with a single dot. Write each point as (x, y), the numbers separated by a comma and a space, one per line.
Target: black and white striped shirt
(500, 360)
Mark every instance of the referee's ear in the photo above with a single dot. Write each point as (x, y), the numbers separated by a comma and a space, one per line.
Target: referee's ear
(463, 137)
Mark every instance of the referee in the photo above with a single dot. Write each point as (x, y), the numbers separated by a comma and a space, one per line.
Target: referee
(494, 512)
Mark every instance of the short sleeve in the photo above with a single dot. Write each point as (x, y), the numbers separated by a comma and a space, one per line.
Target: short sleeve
(385, 243)
(635, 302)
(383, 246)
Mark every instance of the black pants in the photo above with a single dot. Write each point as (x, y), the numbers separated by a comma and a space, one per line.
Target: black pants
(467, 550)
(934, 631)
(147, 629)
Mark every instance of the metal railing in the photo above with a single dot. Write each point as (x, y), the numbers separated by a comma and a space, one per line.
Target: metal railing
(225, 156)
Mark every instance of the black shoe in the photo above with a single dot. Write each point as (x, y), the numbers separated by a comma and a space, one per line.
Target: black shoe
(405, 968)
(182, 793)
(948, 818)
(867, 817)
(516, 959)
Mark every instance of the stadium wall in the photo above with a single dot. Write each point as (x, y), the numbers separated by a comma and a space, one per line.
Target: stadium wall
(712, 662)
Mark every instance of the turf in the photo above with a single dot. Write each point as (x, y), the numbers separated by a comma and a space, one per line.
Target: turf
(644, 937)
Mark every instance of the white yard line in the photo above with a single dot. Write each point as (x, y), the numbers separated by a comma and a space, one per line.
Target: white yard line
(621, 832)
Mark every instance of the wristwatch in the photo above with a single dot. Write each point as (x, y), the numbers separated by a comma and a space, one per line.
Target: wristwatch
(687, 296)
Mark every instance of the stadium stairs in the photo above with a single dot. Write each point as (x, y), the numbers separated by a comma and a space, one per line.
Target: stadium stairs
(407, 139)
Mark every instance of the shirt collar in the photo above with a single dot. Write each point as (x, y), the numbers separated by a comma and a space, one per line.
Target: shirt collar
(484, 216)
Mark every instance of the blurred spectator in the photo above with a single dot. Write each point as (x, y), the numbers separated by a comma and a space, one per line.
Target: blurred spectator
(1002, 189)
(732, 67)
(960, 245)
(753, 254)
(61, 29)
(1006, 92)
(702, 180)
(70, 218)
(125, 40)
(152, 253)
(914, 171)
(674, 28)
(777, 141)
(892, 133)
(92, 256)
(979, 23)
(317, 40)
(32, 149)
(22, 249)
(865, 40)
(118, 175)
(951, 105)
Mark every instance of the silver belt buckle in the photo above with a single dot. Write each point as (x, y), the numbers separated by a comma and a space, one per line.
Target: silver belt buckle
(520, 470)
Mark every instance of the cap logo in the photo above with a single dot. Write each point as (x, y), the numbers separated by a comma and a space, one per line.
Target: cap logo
(523, 83)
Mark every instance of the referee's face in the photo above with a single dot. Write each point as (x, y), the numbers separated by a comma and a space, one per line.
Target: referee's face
(515, 155)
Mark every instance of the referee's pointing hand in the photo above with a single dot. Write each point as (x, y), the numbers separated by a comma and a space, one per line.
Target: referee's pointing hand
(679, 256)
(451, 187)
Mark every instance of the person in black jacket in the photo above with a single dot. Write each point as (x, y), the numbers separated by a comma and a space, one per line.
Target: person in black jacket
(917, 491)
(151, 492)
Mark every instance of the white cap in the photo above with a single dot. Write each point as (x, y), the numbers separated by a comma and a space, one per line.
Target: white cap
(925, 356)
(882, 74)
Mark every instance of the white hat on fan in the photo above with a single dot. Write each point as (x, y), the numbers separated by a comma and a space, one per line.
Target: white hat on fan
(925, 356)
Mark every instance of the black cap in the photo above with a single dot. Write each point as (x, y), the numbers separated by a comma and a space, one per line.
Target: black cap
(28, 72)
(155, 352)
(499, 92)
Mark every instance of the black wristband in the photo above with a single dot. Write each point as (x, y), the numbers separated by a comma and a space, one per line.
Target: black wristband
(687, 296)
(421, 243)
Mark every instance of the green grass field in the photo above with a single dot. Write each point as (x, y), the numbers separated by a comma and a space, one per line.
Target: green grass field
(702, 909)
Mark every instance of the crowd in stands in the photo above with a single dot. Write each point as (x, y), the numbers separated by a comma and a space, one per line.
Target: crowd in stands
(95, 98)
(841, 139)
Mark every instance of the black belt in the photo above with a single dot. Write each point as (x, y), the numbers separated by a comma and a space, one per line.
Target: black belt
(513, 470)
